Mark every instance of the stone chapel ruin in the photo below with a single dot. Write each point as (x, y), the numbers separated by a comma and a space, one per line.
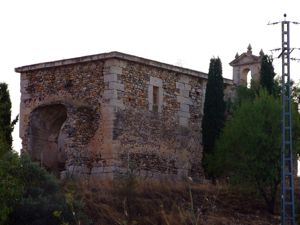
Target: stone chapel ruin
(99, 115)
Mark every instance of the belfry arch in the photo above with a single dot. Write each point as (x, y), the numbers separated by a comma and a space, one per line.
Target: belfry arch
(245, 65)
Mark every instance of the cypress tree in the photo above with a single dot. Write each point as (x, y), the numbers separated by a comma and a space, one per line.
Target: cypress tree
(6, 126)
(267, 74)
(214, 108)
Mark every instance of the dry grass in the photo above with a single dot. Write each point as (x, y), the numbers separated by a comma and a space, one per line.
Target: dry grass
(127, 201)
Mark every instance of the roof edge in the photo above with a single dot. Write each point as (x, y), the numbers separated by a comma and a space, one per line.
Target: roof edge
(114, 55)
(235, 62)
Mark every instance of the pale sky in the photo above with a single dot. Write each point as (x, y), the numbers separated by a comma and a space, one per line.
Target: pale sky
(179, 32)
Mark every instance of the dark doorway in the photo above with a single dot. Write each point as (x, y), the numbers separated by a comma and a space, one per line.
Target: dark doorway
(46, 137)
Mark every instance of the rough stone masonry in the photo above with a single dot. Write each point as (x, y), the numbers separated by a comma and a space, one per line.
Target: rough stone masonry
(104, 114)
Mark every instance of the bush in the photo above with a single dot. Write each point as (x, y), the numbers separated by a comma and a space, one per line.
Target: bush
(41, 197)
(29, 195)
(11, 188)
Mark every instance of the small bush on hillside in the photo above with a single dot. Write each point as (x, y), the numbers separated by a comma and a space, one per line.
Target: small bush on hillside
(29, 195)
(41, 197)
(11, 188)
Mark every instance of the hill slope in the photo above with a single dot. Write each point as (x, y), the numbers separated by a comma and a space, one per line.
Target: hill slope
(128, 201)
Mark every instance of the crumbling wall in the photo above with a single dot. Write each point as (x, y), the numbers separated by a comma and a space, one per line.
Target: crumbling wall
(79, 89)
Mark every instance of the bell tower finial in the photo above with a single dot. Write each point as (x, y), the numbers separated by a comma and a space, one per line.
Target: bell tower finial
(249, 49)
(261, 53)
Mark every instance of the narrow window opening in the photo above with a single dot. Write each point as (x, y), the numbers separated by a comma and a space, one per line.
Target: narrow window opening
(298, 165)
(155, 98)
(249, 79)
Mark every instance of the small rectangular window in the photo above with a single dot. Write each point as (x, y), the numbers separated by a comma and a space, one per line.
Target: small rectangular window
(155, 98)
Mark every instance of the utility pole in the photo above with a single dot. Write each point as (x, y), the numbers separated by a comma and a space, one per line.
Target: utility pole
(287, 178)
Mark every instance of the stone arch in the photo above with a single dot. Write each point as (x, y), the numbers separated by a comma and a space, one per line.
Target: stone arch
(46, 138)
(244, 64)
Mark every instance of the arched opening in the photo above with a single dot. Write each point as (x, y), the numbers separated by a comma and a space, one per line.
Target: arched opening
(249, 79)
(46, 138)
(298, 165)
(246, 77)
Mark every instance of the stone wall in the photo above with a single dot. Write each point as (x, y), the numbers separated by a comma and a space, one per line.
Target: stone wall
(79, 88)
(101, 115)
(161, 143)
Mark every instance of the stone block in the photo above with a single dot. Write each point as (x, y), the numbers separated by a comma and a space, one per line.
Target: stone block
(107, 109)
(115, 70)
(117, 103)
(111, 62)
(185, 93)
(179, 85)
(24, 84)
(187, 87)
(110, 77)
(184, 114)
(116, 86)
(150, 106)
(183, 121)
(25, 96)
(110, 94)
(184, 100)
(156, 81)
(184, 107)
(150, 94)
(184, 79)
(115, 62)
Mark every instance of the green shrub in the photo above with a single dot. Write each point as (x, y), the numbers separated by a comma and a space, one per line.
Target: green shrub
(11, 188)
(41, 197)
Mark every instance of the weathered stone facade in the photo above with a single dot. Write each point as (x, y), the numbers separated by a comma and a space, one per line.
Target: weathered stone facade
(99, 115)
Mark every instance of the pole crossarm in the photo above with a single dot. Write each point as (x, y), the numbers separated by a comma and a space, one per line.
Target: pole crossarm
(274, 23)
(295, 59)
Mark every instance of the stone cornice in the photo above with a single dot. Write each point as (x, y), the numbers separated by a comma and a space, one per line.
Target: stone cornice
(237, 62)
(115, 55)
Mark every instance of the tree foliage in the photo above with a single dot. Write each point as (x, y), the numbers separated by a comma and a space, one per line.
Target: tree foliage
(29, 195)
(248, 150)
(267, 74)
(214, 107)
(6, 125)
(11, 188)
(41, 196)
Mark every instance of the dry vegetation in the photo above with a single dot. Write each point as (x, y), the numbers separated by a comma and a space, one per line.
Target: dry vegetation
(128, 201)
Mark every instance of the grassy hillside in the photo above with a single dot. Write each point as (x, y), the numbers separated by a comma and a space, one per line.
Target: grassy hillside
(128, 201)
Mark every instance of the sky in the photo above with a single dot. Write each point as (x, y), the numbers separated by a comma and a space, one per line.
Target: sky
(186, 33)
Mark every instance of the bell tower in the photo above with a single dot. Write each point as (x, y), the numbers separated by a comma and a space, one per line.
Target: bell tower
(245, 65)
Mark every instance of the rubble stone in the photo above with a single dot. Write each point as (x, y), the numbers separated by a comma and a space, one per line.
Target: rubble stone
(115, 121)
